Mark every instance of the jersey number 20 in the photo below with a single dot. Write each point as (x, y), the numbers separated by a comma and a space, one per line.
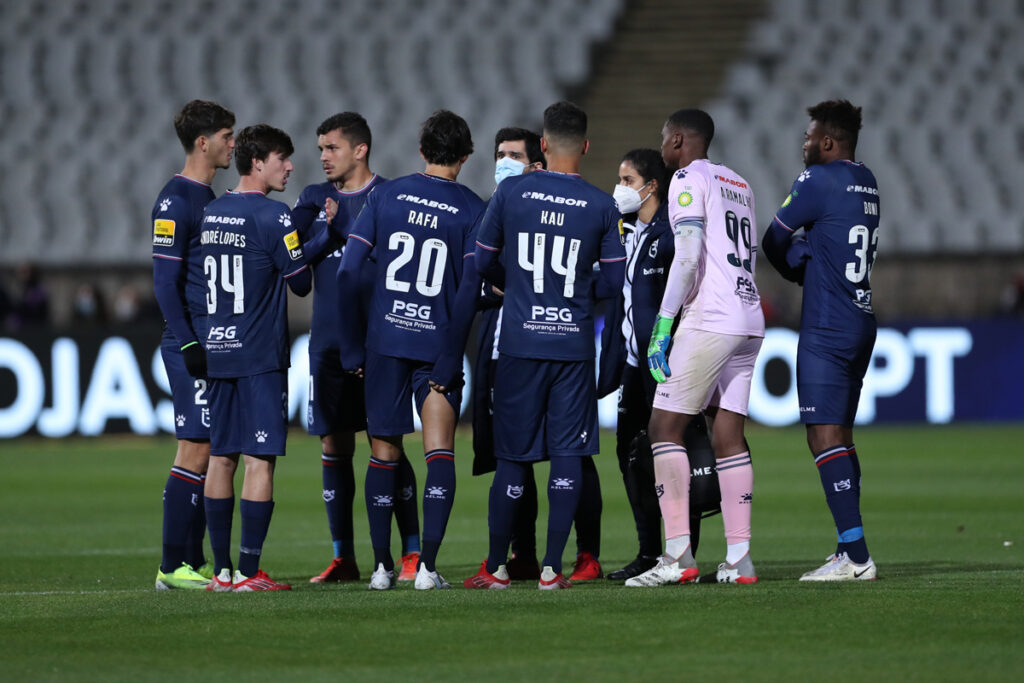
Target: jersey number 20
(428, 280)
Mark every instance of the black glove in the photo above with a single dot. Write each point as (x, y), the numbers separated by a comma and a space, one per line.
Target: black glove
(195, 359)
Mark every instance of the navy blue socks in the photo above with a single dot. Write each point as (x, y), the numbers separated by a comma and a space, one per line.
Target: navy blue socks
(219, 512)
(182, 496)
(255, 524)
(438, 498)
(564, 486)
(505, 495)
(407, 515)
(588, 512)
(339, 492)
(840, 478)
(380, 497)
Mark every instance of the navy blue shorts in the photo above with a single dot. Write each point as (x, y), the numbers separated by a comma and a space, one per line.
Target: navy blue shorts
(250, 414)
(829, 375)
(391, 385)
(336, 402)
(544, 408)
(189, 394)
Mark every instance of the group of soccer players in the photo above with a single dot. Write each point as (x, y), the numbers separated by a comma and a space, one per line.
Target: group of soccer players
(400, 270)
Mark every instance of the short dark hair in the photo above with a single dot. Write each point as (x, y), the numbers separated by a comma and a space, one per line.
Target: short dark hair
(649, 164)
(840, 119)
(531, 139)
(565, 122)
(353, 128)
(445, 138)
(258, 142)
(694, 120)
(198, 118)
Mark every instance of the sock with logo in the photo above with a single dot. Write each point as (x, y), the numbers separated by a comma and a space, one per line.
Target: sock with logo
(181, 485)
(672, 482)
(736, 479)
(407, 514)
(588, 512)
(503, 501)
(842, 493)
(194, 554)
(219, 512)
(564, 487)
(438, 498)
(255, 524)
(380, 494)
(339, 492)
(524, 530)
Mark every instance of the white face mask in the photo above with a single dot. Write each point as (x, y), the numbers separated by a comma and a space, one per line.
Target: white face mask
(505, 167)
(628, 199)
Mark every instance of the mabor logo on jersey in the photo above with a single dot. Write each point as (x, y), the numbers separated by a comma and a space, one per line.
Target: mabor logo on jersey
(163, 233)
(293, 243)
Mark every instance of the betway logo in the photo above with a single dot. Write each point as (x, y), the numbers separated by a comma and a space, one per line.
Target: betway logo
(554, 199)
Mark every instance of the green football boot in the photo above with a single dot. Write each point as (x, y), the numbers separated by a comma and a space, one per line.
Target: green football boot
(184, 577)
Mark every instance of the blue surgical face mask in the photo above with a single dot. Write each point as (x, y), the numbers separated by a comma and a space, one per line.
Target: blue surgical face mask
(505, 167)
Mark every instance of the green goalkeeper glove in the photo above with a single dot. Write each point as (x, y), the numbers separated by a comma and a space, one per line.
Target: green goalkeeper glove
(661, 337)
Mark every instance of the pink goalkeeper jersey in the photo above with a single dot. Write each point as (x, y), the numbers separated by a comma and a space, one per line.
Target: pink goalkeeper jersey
(723, 297)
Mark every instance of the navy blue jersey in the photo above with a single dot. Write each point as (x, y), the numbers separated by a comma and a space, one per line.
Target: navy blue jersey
(249, 248)
(323, 330)
(837, 205)
(552, 228)
(177, 217)
(420, 228)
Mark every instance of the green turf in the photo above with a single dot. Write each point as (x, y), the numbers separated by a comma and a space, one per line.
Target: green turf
(79, 547)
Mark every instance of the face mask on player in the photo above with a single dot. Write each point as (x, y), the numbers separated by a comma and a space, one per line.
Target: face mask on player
(628, 199)
(506, 167)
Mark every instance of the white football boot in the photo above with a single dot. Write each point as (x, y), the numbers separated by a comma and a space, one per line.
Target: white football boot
(382, 579)
(682, 569)
(841, 568)
(428, 581)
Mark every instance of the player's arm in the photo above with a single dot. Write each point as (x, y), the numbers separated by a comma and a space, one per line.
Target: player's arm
(357, 250)
(168, 270)
(788, 253)
(324, 241)
(449, 362)
(286, 250)
(489, 242)
(612, 259)
(687, 217)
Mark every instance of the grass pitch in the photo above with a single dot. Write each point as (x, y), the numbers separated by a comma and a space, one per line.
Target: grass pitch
(943, 510)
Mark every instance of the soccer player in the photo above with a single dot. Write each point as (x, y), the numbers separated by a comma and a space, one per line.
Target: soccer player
(250, 249)
(553, 227)
(711, 280)
(205, 130)
(420, 228)
(835, 201)
(516, 151)
(336, 408)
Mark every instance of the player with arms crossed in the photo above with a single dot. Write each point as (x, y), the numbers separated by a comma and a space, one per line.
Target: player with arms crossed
(420, 228)
(336, 409)
(554, 226)
(250, 250)
(205, 131)
(711, 280)
(835, 201)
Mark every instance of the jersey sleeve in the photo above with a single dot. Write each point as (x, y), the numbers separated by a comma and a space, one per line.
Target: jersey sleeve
(686, 195)
(613, 241)
(489, 235)
(469, 243)
(804, 204)
(172, 216)
(284, 244)
(364, 227)
(305, 213)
